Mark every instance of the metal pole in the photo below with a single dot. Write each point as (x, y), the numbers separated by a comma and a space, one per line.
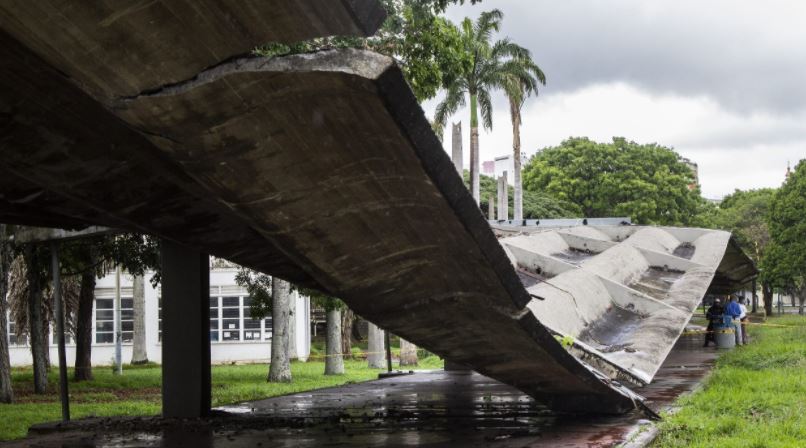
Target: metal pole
(118, 330)
(57, 299)
(388, 352)
(755, 296)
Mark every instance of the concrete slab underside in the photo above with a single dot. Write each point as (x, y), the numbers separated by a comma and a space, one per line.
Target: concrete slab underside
(425, 409)
(321, 169)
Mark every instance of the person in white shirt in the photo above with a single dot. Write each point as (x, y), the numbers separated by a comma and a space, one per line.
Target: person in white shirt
(743, 320)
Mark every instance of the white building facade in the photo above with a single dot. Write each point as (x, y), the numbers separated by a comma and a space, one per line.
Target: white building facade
(234, 335)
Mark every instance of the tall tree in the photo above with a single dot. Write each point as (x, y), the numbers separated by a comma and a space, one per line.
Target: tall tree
(785, 263)
(375, 346)
(139, 352)
(86, 299)
(6, 391)
(408, 353)
(334, 333)
(648, 182)
(746, 215)
(485, 66)
(347, 321)
(91, 258)
(280, 368)
(521, 80)
(34, 277)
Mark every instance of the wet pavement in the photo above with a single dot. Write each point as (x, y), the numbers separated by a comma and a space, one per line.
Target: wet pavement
(430, 409)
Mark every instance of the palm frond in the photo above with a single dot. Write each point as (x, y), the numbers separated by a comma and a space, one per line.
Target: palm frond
(454, 99)
(486, 108)
(487, 22)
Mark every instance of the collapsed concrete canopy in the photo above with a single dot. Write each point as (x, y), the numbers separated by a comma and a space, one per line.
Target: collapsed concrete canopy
(623, 293)
(318, 168)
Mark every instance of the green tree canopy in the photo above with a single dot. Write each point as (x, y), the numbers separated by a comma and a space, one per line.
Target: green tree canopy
(785, 263)
(745, 214)
(646, 182)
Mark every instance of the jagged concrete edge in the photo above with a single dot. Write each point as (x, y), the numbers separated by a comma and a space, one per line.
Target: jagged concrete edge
(406, 111)
(361, 63)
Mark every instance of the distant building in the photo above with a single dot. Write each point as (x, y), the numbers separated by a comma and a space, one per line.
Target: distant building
(234, 335)
(695, 170)
(502, 164)
(488, 168)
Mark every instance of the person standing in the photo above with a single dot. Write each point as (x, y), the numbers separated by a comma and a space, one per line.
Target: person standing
(743, 321)
(714, 316)
(733, 310)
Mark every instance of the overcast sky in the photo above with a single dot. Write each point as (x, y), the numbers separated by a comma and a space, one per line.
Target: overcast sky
(721, 82)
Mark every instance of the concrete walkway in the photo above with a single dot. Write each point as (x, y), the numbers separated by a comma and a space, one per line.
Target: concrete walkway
(425, 409)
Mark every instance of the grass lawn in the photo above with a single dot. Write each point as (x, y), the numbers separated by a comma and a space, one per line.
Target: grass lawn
(137, 391)
(756, 396)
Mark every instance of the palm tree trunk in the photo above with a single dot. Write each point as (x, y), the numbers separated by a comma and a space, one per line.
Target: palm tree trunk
(6, 392)
(474, 149)
(86, 297)
(376, 358)
(280, 368)
(515, 113)
(334, 363)
(408, 353)
(35, 324)
(139, 353)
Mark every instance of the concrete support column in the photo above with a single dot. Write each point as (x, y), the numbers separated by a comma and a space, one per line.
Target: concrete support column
(491, 208)
(456, 148)
(503, 198)
(185, 331)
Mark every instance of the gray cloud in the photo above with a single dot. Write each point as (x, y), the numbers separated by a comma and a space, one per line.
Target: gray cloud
(746, 55)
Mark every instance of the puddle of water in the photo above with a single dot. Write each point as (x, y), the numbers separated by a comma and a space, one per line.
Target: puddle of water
(608, 332)
(573, 256)
(656, 282)
(684, 250)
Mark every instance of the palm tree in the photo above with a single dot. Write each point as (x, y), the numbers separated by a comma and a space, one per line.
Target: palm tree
(486, 67)
(521, 80)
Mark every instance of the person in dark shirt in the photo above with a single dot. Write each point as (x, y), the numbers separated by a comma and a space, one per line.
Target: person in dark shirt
(714, 315)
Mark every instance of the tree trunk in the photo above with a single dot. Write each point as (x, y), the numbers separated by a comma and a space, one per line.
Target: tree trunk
(334, 363)
(86, 299)
(376, 358)
(292, 325)
(280, 368)
(6, 392)
(766, 292)
(802, 298)
(515, 112)
(35, 321)
(347, 319)
(474, 149)
(408, 353)
(139, 353)
(456, 148)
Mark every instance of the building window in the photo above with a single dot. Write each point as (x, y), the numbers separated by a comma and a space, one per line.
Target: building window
(105, 320)
(127, 319)
(230, 319)
(12, 335)
(215, 320)
(252, 327)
